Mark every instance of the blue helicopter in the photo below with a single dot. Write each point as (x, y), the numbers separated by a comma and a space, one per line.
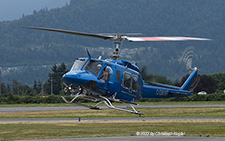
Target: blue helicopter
(114, 80)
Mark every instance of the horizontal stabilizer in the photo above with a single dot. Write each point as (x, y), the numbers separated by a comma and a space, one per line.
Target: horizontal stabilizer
(178, 93)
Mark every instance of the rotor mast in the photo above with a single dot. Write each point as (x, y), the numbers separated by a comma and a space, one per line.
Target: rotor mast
(118, 39)
(117, 46)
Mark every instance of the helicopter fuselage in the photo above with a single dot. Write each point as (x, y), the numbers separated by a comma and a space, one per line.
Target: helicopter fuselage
(119, 79)
(110, 78)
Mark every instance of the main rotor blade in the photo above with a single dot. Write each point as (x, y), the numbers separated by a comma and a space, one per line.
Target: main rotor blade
(117, 36)
(69, 32)
(133, 39)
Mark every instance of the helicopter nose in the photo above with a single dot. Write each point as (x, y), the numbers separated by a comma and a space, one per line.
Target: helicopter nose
(75, 79)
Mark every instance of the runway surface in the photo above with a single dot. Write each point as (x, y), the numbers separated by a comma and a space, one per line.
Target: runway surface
(107, 119)
(26, 109)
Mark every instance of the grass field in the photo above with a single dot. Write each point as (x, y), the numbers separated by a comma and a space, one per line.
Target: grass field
(92, 128)
(75, 129)
(148, 112)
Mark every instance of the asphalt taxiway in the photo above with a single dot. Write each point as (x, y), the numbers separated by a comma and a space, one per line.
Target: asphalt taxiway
(10, 120)
(27, 109)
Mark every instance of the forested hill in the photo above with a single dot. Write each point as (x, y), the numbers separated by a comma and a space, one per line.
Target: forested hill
(197, 18)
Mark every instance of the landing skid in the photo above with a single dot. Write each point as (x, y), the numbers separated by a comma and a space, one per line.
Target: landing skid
(108, 103)
(104, 100)
(79, 104)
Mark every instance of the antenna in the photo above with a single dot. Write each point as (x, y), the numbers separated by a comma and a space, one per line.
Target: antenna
(88, 53)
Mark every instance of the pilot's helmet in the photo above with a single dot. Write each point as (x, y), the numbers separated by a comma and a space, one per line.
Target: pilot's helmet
(99, 65)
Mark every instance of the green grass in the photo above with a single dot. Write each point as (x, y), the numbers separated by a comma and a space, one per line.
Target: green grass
(12, 131)
(148, 112)
(140, 103)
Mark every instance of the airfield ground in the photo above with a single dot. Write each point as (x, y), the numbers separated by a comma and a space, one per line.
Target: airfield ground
(61, 124)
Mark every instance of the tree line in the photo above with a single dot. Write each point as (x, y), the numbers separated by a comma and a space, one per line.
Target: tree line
(53, 83)
(50, 91)
(209, 83)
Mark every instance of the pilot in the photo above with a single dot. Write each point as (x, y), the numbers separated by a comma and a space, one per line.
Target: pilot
(106, 72)
(99, 66)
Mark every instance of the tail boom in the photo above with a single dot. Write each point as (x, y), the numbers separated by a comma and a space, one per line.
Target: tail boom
(156, 90)
(153, 92)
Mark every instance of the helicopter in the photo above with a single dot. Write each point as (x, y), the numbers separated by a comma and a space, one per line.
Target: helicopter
(114, 80)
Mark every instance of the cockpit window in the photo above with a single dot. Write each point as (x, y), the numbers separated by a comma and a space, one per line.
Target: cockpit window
(78, 64)
(93, 66)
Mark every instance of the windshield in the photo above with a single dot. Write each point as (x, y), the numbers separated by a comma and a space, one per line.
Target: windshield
(93, 66)
(78, 64)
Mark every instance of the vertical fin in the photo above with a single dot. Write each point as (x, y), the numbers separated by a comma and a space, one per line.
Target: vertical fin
(190, 80)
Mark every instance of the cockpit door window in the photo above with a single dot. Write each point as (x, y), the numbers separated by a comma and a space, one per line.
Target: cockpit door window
(106, 73)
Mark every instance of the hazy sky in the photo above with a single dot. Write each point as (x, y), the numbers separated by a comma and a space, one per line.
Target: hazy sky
(14, 9)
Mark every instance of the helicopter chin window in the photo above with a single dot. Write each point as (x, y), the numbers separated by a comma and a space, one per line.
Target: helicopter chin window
(78, 64)
(93, 67)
